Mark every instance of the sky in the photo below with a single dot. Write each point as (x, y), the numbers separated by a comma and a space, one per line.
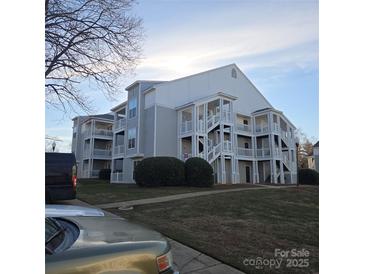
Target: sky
(275, 43)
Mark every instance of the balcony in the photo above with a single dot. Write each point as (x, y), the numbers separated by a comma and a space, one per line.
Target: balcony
(227, 146)
(98, 132)
(103, 132)
(263, 153)
(102, 153)
(186, 127)
(119, 124)
(226, 116)
(119, 151)
(116, 177)
(276, 152)
(245, 152)
(261, 129)
(243, 128)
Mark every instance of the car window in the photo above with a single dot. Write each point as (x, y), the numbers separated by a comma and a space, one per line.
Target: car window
(54, 235)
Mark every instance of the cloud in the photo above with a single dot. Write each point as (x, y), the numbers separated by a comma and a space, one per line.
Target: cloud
(196, 47)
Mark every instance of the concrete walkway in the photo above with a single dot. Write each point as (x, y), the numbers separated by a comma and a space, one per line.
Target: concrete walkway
(128, 204)
(186, 259)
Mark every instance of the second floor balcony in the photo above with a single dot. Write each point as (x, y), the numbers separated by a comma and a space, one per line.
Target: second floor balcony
(119, 124)
(186, 127)
(261, 129)
(98, 132)
(227, 146)
(263, 152)
(102, 153)
(242, 128)
(245, 152)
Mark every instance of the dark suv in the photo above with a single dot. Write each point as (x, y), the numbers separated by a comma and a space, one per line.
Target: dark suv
(60, 169)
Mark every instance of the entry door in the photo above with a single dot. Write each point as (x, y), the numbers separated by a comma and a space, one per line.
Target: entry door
(248, 175)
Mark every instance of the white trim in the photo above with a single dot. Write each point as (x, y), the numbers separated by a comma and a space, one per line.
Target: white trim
(155, 131)
(139, 117)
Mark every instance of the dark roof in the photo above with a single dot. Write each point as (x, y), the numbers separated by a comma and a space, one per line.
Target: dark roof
(103, 116)
(316, 144)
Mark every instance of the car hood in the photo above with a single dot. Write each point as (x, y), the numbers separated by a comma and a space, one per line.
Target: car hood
(109, 245)
(103, 231)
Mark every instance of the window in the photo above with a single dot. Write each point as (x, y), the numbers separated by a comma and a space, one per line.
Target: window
(132, 107)
(245, 122)
(234, 73)
(246, 145)
(131, 138)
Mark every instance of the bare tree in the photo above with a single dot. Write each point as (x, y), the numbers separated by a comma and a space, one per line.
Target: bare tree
(305, 148)
(95, 40)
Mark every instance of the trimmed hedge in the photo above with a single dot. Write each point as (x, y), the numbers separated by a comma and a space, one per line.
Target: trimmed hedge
(104, 174)
(308, 176)
(198, 172)
(160, 171)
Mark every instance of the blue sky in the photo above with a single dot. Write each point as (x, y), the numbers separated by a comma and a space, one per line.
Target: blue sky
(275, 43)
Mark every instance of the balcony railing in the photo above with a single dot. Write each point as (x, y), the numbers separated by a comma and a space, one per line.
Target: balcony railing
(103, 132)
(119, 124)
(243, 128)
(186, 126)
(276, 151)
(200, 126)
(226, 116)
(185, 156)
(227, 146)
(102, 152)
(95, 173)
(98, 132)
(263, 152)
(119, 151)
(262, 129)
(117, 177)
(244, 152)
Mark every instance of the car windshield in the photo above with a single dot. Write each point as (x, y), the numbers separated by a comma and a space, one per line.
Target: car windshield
(54, 235)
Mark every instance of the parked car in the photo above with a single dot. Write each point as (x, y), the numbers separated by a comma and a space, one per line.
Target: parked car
(61, 179)
(83, 240)
(72, 211)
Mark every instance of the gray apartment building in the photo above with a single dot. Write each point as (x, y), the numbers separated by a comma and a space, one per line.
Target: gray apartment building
(218, 115)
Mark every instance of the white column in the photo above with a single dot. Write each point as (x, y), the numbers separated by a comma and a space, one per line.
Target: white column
(282, 181)
(223, 167)
(194, 136)
(205, 117)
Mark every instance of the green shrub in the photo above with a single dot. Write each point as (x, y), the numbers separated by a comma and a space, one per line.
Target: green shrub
(308, 177)
(160, 171)
(104, 174)
(198, 172)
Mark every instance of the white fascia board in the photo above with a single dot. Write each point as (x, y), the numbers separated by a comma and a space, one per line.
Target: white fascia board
(119, 107)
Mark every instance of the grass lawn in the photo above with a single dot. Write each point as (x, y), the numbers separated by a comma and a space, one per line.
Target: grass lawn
(101, 192)
(240, 225)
